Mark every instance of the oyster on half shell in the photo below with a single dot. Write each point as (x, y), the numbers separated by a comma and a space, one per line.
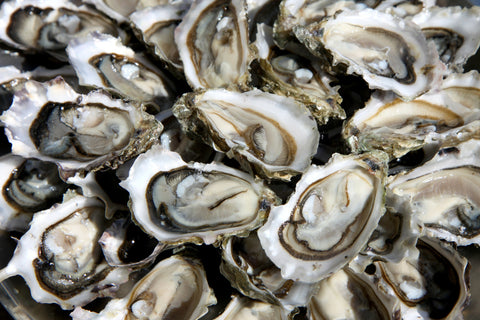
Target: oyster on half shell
(177, 202)
(275, 134)
(50, 121)
(59, 256)
(329, 218)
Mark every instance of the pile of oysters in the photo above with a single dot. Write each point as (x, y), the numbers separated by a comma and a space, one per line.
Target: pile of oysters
(241, 159)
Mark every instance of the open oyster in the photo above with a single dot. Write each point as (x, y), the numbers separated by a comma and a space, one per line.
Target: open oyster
(42, 25)
(286, 73)
(450, 29)
(59, 256)
(179, 202)
(213, 44)
(251, 272)
(398, 127)
(442, 193)
(102, 61)
(50, 121)
(328, 219)
(176, 288)
(389, 53)
(156, 26)
(243, 308)
(31, 185)
(350, 295)
(277, 135)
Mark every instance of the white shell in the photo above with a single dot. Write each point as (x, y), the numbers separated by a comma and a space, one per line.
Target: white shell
(29, 102)
(323, 226)
(159, 161)
(28, 250)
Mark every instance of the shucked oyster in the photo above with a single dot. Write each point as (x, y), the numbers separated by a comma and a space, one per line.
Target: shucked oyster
(397, 127)
(59, 256)
(328, 219)
(277, 135)
(442, 194)
(213, 44)
(389, 53)
(176, 288)
(178, 202)
(28, 186)
(102, 61)
(49, 25)
(50, 121)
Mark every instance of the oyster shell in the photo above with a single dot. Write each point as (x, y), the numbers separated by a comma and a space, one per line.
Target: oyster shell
(212, 40)
(285, 73)
(251, 272)
(442, 193)
(451, 30)
(176, 288)
(328, 219)
(49, 24)
(59, 256)
(50, 121)
(350, 295)
(102, 61)
(156, 26)
(397, 127)
(121, 9)
(31, 186)
(177, 202)
(277, 135)
(389, 53)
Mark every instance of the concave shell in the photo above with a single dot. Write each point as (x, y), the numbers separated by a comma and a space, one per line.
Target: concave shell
(288, 74)
(49, 24)
(398, 127)
(31, 185)
(156, 26)
(328, 219)
(102, 61)
(213, 44)
(42, 112)
(177, 202)
(450, 29)
(389, 53)
(277, 135)
(250, 271)
(442, 194)
(176, 288)
(350, 295)
(59, 256)
(431, 283)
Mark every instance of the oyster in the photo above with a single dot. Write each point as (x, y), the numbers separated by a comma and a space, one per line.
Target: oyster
(442, 193)
(212, 40)
(102, 61)
(59, 256)
(156, 26)
(42, 25)
(288, 74)
(31, 185)
(389, 53)
(451, 30)
(275, 134)
(50, 121)
(433, 117)
(430, 284)
(179, 202)
(328, 219)
(251, 272)
(176, 288)
(121, 9)
(350, 295)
